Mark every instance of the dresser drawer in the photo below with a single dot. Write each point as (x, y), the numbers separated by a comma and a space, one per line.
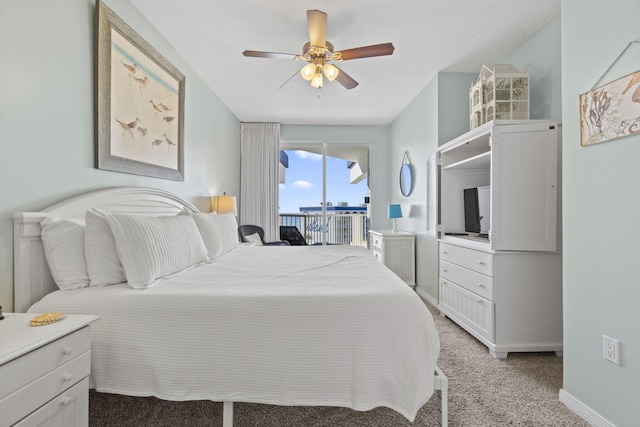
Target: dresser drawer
(24, 370)
(472, 310)
(482, 262)
(468, 279)
(377, 254)
(37, 393)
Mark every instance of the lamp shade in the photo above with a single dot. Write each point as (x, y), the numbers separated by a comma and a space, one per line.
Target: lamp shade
(331, 71)
(308, 71)
(395, 211)
(224, 204)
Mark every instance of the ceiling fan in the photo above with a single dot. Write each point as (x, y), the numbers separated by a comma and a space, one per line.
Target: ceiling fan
(319, 54)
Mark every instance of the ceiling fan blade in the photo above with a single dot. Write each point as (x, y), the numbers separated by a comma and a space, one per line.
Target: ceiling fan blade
(297, 73)
(273, 55)
(367, 51)
(317, 27)
(346, 80)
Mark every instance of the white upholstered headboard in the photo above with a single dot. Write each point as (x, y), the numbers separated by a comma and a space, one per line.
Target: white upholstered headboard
(32, 279)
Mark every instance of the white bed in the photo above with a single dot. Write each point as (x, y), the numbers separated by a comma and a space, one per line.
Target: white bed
(308, 325)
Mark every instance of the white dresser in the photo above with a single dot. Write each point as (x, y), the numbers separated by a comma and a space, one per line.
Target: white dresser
(396, 250)
(510, 301)
(44, 371)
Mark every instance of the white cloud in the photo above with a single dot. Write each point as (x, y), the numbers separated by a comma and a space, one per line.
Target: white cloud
(307, 155)
(301, 184)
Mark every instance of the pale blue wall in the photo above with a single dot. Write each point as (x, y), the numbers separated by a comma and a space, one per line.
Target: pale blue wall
(453, 104)
(541, 56)
(601, 211)
(47, 117)
(438, 113)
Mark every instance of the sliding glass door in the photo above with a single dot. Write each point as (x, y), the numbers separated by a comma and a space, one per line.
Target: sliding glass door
(324, 191)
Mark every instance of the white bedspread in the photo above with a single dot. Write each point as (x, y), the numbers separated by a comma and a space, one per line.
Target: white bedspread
(306, 325)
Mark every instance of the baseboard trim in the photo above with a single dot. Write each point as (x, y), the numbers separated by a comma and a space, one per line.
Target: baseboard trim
(428, 298)
(583, 411)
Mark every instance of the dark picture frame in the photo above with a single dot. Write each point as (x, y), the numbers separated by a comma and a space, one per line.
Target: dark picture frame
(140, 104)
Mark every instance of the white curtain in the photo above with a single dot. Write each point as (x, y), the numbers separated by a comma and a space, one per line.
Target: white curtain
(259, 179)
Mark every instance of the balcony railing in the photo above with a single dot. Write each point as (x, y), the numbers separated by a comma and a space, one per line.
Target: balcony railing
(341, 229)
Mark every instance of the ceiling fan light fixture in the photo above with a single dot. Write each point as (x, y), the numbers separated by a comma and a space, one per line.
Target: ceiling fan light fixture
(316, 81)
(308, 71)
(330, 71)
(317, 52)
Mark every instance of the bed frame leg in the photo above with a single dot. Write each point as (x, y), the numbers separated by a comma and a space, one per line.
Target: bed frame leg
(442, 394)
(227, 414)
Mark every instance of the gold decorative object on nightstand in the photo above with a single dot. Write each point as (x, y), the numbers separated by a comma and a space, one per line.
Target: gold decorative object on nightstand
(46, 318)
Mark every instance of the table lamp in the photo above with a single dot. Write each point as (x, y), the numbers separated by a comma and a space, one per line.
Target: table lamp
(223, 204)
(395, 212)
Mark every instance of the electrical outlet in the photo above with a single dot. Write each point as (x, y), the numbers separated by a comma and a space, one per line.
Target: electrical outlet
(611, 349)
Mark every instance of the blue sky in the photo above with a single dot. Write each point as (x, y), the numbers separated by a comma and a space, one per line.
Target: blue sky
(303, 186)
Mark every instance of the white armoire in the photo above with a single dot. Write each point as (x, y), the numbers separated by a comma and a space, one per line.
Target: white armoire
(504, 287)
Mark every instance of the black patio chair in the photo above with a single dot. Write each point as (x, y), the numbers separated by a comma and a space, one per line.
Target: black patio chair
(291, 234)
(247, 230)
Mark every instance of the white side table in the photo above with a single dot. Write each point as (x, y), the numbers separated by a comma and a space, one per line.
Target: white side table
(396, 250)
(45, 371)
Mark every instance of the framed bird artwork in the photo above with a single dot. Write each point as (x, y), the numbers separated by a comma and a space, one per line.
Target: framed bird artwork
(140, 97)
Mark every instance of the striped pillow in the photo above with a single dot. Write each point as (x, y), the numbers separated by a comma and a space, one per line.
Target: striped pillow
(220, 232)
(153, 248)
(103, 264)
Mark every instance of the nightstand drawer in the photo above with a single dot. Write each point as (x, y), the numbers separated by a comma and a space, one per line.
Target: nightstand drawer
(71, 406)
(377, 254)
(468, 279)
(39, 362)
(479, 261)
(37, 393)
(376, 242)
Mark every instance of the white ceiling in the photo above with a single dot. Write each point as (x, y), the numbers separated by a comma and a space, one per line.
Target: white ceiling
(429, 36)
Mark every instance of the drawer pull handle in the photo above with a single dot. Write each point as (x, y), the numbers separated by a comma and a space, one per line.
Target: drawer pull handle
(445, 270)
(65, 401)
(68, 350)
(480, 263)
(67, 377)
(480, 301)
(480, 285)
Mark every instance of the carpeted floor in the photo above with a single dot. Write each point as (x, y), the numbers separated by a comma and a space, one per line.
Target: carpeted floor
(519, 391)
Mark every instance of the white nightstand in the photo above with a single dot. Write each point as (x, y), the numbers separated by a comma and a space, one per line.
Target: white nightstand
(396, 250)
(44, 371)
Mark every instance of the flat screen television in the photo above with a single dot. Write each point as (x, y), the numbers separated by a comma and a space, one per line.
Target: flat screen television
(477, 210)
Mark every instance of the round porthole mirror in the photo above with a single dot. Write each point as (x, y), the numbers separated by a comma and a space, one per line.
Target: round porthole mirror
(406, 175)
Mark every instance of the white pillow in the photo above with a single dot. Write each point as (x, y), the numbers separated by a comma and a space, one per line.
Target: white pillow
(152, 248)
(210, 232)
(228, 232)
(63, 242)
(219, 232)
(253, 238)
(103, 264)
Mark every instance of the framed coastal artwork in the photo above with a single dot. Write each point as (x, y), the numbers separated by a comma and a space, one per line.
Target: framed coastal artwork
(611, 111)
(140, 104)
